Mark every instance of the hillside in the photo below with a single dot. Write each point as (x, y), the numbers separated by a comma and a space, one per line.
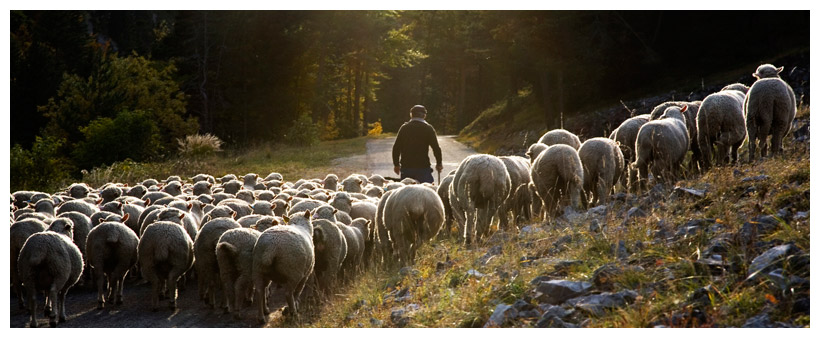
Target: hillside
(728, 248)
(506, 130)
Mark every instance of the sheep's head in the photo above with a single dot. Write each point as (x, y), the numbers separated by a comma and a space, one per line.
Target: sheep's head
(63, 226)
(766, 71)
(676, 113)
(534, 150)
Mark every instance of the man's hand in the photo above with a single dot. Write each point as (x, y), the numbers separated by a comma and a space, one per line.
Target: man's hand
(439, 167)
(397, 170)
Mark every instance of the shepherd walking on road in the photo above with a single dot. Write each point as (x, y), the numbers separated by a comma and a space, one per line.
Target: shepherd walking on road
(410, 150)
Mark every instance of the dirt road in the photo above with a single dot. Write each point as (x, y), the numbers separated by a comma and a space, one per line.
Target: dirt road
(380, 155)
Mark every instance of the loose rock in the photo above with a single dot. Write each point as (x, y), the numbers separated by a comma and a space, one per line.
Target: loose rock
(558, 291)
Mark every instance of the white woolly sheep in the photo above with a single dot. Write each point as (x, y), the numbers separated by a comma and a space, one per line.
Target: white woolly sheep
(330, 248)
(19, 232)
(414, 215)
(625, 135)
(603, 165)
(207, 268)
(352, 183)
(443, 192)
(364, 226)
(721, 123)
(770, 108)
(283, 255)
(379, 236)
(519, 170)
(354, 240)
(112, 251)
(165, 253)
(78, 190)
(534, 150)
(560, 136)
(49, 261)
(80, 206)
(377, 180)
(557, 174)
(690, 114)
(737, 86)
(478, 192)
(767, 71)
(305, 205)
(661, 146)
(241, 207)
(234, 256)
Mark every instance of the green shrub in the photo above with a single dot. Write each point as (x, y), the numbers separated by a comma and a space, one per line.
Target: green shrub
(43, 168)
(132, 134)
(303, 132)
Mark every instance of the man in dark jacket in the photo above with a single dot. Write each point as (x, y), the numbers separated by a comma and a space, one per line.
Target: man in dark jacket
(410, 150)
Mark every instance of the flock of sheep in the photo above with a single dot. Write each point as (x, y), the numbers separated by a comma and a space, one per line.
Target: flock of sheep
(245, 237)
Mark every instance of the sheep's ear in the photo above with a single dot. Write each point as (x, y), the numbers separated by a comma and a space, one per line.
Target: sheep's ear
(275, 222)
(30, 205)
(68, 226)
(286, 218)
(335, 210)
(126, 185)
(190, 205)
(125, 218)
(99, 201)
(290, 198)
(780, 69)
(147, 202)
(307, 214)
(233, 214)
(756, 76)
(181, 216)
(254, 227)
(209, 184)
(685, 107)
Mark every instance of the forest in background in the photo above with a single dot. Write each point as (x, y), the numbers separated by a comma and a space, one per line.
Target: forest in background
(92, 87)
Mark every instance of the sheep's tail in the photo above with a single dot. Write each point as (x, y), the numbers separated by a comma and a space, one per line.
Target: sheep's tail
(227, 249)
(113, 237)
(37, 257)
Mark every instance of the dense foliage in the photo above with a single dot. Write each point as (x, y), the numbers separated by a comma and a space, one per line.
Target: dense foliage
(248, 77)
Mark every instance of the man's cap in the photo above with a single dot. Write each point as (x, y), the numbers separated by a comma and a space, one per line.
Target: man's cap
(418, 109)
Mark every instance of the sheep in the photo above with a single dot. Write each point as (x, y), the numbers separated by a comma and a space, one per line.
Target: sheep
(234, 256)
(173, 188)
(737, 86)
(78, 190)
(354, 240)
(154, 196)
(662, 144)
(262, 208)
(112, 251)
(180, 217)
(558, 173)
(19, 232)
(625, 135)
(264, 195)
(207, 268)
(366, 210)
(342, 201)
(21, 199)
(769, 107)
(414, 215)
(767, 71)
(274, 176)
(110, 193)
(45, 206)
(232, 187)
(560, 136)
(203, 178)
(330, 248)
(603, 165)
(202, 187)
(519, 170)
(534, 150)
(249, 181)
(479, 189)
(137, 191)
(227, 178)
(283, 255)
(721, 123)
(305, 205)
(100, 216)
(266, 222)
(165, 252)
(690, 114)
(50, 262)
(377, 180)
(241, 207)
(279, 207)
(374, 192)
(80, 206)
(352, 183)
(378, 234)
(443, 192)
(364, 226)
(82, 227)
(246, 195)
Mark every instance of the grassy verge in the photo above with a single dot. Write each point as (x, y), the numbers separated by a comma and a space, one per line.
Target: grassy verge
(293, 162)
(666, 271)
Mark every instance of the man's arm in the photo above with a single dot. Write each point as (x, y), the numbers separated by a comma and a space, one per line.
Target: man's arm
(436, 148)
(397, 146)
